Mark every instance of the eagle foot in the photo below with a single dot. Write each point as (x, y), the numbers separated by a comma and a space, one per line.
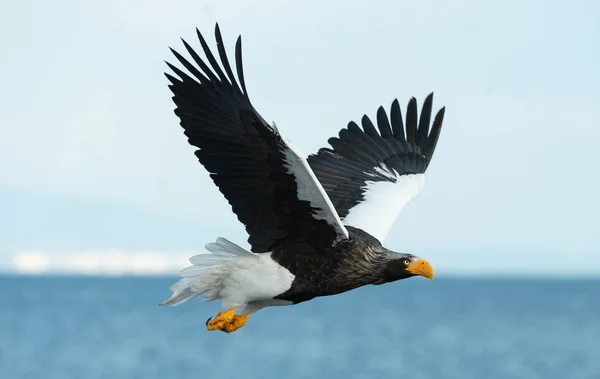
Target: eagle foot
(226, 321)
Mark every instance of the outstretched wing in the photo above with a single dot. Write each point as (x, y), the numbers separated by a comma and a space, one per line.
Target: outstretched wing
(369, 175)
(269, 185)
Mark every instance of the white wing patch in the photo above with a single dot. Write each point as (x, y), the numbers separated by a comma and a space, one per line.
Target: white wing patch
(383, 202)
(311, 190)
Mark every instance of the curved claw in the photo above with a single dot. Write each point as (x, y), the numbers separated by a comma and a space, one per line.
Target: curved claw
(207, 321)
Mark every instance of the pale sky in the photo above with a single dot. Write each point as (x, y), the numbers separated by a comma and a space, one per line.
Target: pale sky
(93, 161)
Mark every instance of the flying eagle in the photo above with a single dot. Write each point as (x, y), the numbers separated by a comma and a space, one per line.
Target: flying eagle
(315, 225)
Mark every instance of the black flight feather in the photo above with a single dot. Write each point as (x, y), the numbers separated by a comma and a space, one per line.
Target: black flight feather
(361, 156)
(247, 159)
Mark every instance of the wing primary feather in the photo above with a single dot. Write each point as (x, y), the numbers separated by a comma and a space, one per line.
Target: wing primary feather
(356, 137)
(224, 58)
(346, 150)
(196, 59)
(172, 79)
(193, 70)
(209, 55)
(368, 127)
(239, 66)
(397, 123)
(384, 124)
(203, 66)
(436, 128)
(179, 73)
(424, 120)
(411, 122)
(353, 126)
(378, 145)
(189, 93)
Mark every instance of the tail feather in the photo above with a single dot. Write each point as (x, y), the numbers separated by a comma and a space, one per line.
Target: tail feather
(208, 260)
(194, 271)
(226, 247)
(182, 292)
(206, 272)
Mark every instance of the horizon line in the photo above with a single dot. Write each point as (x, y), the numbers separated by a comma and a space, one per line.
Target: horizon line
(449, 275)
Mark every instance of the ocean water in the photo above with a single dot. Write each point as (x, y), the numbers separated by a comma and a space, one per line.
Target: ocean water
(113, 328)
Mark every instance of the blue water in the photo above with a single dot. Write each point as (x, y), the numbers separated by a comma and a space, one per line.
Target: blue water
(87, 328)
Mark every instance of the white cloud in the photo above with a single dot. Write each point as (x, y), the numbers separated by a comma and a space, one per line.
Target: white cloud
(101, 262)
(31, 262)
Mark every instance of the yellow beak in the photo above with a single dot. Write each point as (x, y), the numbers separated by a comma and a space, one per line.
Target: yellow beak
(421, 267)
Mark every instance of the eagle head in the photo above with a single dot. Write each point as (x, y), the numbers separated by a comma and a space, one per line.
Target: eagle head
(402, 265)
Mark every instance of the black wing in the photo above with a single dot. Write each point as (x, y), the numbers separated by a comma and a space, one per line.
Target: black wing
(269, 186)
(371, 175)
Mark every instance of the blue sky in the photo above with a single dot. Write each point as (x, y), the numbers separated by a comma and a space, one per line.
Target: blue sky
(92, 157)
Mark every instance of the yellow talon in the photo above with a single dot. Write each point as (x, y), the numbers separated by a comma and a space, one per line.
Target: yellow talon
(237, 322)
(227, 321)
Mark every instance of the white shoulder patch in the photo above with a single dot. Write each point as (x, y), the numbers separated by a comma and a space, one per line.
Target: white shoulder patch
(311, 190)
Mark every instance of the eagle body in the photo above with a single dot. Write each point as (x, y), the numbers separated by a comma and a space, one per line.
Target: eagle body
(315, 225)
(352, 263)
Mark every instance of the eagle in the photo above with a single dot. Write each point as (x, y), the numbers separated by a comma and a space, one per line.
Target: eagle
(315, 225)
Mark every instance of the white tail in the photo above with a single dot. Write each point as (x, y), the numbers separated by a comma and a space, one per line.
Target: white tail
(207, 272)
